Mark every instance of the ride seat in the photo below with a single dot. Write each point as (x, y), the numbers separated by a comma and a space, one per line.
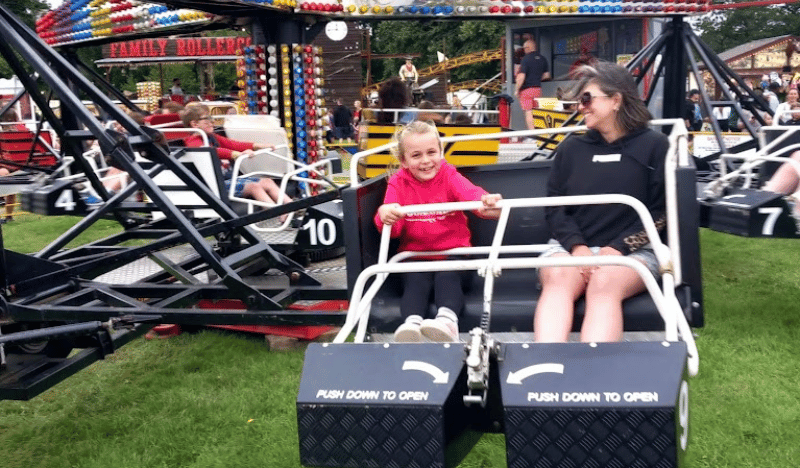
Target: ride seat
(516, 292)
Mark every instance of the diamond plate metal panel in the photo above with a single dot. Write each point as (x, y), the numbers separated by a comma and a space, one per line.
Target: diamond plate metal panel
(586, 438)
(377, 436)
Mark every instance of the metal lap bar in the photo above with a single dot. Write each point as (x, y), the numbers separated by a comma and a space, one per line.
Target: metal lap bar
(755, 160)
(745, 170)
(292, 175)
(666, 301)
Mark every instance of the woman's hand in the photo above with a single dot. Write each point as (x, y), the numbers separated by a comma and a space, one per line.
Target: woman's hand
(489, 208)
(586, 270)
(609, 251)
(389, 213)
(260, 146)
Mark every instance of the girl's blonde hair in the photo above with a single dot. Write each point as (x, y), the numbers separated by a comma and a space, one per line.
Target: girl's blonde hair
(416, 127)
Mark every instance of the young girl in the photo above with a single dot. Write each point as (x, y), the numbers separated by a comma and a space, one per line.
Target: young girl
(425, 177)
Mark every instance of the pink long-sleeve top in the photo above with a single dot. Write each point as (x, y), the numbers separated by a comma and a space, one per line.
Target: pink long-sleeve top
(431, 231)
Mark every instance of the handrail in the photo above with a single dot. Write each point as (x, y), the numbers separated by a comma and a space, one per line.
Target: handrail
(754, 160)
(666, 302)
(285, 178)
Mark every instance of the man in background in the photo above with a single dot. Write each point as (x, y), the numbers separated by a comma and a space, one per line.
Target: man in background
(176, 89)
(532, 71)
(342, 122)
(693, 116)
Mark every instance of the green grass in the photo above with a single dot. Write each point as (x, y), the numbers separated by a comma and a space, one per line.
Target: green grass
(219, 400)
(30, 232)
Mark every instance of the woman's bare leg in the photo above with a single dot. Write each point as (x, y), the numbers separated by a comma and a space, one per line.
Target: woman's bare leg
(608, 287)
(561, 287)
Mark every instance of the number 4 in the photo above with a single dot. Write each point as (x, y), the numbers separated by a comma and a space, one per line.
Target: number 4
(65, 201)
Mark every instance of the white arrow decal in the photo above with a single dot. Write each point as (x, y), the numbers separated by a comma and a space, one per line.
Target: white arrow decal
(439, 377)
(522, 374)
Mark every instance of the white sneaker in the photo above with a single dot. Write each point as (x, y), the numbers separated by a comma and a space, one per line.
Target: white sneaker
(440, 330)
(409, 331)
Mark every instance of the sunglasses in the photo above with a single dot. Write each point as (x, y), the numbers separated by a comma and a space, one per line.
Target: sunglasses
(585, 99)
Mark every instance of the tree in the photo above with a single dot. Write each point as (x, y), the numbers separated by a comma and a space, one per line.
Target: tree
(724, 29)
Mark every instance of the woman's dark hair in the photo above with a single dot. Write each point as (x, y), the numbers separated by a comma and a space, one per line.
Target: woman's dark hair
(613, 79)
(393, 94)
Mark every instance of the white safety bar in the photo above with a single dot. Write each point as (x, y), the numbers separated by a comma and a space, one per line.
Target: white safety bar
(754, 160)
(91, 157)
(666, 302)
(321, 168)
(677, 156)
(777, 116)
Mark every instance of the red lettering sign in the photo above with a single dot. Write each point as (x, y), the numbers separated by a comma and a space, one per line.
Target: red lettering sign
(182, 47)
(162, 43)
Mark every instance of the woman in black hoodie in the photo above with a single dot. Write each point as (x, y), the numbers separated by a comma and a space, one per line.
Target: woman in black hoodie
(619, 154)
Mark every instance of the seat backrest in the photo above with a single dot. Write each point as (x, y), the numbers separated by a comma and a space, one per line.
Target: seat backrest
(267, 164)
(527, 225)
(263, 129)
(203, 163)
(160, 119)
(514, 180)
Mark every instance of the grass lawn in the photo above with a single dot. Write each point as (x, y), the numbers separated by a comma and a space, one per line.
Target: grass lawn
(219, 400)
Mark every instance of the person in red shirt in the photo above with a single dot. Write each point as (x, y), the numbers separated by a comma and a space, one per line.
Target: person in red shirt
(426, 177)
(262, 189)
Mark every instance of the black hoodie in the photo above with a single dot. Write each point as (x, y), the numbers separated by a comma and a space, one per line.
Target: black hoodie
(586, 165)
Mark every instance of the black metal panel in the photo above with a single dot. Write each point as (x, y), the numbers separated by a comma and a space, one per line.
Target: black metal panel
(752, 213)
(595, 405)
(323, 227)
(590, 438)
(383, 405)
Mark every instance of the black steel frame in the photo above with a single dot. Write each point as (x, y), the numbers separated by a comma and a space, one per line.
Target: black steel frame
(55, 285)
(678, 47)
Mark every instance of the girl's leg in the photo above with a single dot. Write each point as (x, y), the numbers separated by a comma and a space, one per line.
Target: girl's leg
(271, 188)
(265, 190)
(447, 290)
(449, 300)
(608, 287)
(416, 293)
(561, 287)
(413, 306)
